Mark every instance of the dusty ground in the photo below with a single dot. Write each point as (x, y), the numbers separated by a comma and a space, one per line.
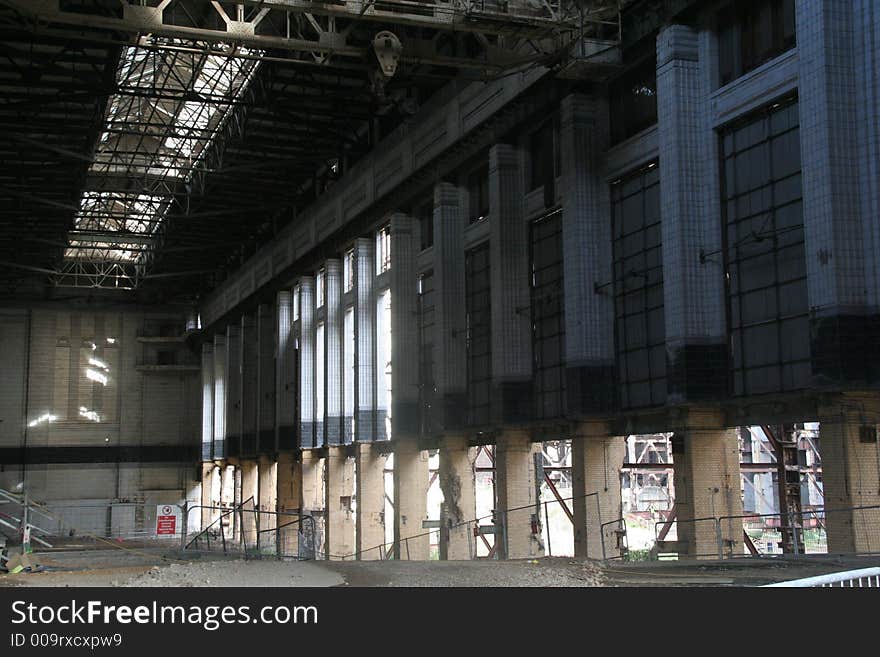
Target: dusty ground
(161, 567)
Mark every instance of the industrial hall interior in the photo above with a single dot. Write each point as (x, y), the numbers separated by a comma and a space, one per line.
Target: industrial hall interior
(440, 292)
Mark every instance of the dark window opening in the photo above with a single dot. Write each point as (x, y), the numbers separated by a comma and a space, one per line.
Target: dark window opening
(633, 100)
(638, 289)
(765, 263)
(478, 194)
(479, 335)
(751, 33)
(548, 316)
(544, 161)
(425, 215)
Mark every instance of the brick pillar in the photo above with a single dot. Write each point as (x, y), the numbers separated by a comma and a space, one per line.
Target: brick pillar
(208, 474)
(509, 255)
(339, 522)
(586, 254)
(312, 467)
(285, 374)
(693, 290)
(410, 501)
(459, 506)
(307, 362)
(707, 485)
(450, 371)
(266, 379)
(333, 351)
(289, 500)
(365, 339)
(851, 472)
(207, 401)
(233, 390)
(404, 329)
(596, 459)
(250, 488)
(268, 492)
(516, 487)
(248, 415)
(370, 521)
(220, 392)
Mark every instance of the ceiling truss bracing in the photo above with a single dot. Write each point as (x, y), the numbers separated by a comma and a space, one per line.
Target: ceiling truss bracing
(167, 110)
(202, 126)
(489, 34)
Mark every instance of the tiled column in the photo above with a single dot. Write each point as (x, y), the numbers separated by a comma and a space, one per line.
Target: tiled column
(286, 388)
(220, 393)
(411, 541)
(516, 490)
(851, 472)
(450, 363)
(248, 416)
(307, 362)
(333, 351)
(233, 390)
(207, 401)
(365, 339)
(511, 301)
(289, 501)
(707, 486)
(837, 97)
(404, 330)
(459, 507)
(339, 521)
(596, 459)
(370, 519)
(266, 379)
(693, 287)
(267, 495)
(586, 253)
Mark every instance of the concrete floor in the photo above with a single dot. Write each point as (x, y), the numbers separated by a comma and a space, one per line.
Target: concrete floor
(146, 567)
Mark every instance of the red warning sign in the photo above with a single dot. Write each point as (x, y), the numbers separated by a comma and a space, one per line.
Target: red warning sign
(166, 520)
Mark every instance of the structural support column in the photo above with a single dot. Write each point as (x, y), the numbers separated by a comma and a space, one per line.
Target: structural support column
(840, 143)
(450, 355)
(370, 521)
(268, 491)
(333, 351)
(586, 254)
(459, 506)
(220, 392)
(233, 390)
(516, 490)
(596, 459)
(509, 256)
(288, 501)
(365, 338)
(339, 522)
(248, 415)
(207, 401)
(707, 486)
(851, 472)
(285, 374)
(404, 330)
(266, 380)
(307, 362)
(410, 502)
(208, 470)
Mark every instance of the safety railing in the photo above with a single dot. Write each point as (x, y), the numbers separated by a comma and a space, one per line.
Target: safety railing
(250, 532)
(768, 534)
(861, 578)
(412, 547)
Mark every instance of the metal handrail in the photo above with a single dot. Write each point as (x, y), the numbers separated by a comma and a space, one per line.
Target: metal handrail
(861, 578)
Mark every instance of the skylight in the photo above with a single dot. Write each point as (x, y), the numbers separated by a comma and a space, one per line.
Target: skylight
(171, 102)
